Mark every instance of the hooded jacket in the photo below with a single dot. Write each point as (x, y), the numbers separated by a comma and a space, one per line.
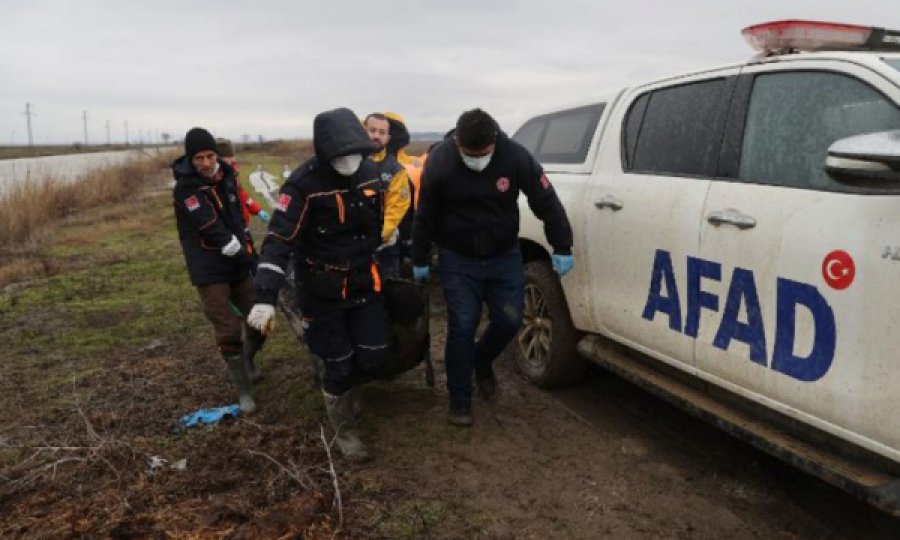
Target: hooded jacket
(207, 214)
(477, 213)
(332, 223)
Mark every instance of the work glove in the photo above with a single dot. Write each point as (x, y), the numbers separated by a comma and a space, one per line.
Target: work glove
(420, 273)
(232, 248)
(562, 264)
(262, 317)
(391, 240)
(263, 215)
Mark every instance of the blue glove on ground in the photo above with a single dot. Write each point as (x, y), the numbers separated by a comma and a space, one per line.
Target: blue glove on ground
(207, 416)
(263, 215)
(562, 264)
(420, 273)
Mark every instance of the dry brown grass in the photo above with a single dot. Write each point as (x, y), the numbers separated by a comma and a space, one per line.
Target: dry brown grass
(32, 210)
(31, 206)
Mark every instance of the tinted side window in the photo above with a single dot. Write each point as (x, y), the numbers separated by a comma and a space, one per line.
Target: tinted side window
(633, 128)
(682, 130)
(794, 117)
(563, 137)
(530, 134)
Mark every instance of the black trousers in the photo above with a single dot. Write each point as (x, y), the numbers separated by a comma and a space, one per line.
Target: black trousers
(351, 341)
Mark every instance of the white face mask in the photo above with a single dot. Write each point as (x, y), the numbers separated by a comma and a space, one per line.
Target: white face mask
(347, 165)
(477, 164)
(214, 171)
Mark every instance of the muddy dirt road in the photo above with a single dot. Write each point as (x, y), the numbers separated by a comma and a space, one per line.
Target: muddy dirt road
(603, 459)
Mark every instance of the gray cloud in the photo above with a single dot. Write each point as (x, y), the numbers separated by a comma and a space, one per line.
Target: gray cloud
(268, 67)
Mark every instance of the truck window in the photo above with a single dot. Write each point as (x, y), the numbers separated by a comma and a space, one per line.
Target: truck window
(563, 137)
(794, 117)
(633, 128)
(681, 130)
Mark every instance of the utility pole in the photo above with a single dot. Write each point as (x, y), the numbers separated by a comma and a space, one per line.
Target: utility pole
(126, 133)
(85, 117)
(29, 112)
(108, 139)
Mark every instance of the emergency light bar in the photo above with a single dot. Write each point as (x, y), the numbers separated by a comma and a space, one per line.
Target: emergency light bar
(793, 35)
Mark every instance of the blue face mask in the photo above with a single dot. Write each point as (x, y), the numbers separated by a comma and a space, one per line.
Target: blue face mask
(477, 164)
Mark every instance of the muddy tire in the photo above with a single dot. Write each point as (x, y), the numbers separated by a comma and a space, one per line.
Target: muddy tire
(546, 347)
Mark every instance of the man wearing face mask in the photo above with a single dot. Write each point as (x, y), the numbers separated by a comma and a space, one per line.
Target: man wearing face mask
(330, 215)
(468, 207)
(395, 182)
(219, 253)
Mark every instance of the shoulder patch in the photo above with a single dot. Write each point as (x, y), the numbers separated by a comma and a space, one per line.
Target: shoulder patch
(284, 200)
(192, 203)
(503, 184)
(545, 181)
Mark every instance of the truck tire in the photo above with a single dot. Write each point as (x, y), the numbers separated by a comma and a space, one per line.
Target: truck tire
(546, 347)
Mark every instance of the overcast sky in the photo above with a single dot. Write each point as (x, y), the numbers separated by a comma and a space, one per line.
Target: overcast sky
(268, 67)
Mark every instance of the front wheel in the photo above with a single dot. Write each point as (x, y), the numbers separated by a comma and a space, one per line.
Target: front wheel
(546, 346)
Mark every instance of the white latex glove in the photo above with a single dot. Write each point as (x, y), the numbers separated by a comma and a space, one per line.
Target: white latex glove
(231, 248)
(262, 317)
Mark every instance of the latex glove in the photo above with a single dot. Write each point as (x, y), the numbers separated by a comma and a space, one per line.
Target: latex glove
(562, 264)
(420, 273)
(262, 317)
(231, 248)
(263, 215)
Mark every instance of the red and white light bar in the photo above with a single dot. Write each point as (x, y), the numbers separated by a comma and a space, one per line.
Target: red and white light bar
(794, 35)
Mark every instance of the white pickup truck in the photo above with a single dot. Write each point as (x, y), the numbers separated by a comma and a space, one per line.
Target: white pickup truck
(737, 248)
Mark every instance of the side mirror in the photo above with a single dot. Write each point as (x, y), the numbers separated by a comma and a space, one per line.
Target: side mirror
(873, 156)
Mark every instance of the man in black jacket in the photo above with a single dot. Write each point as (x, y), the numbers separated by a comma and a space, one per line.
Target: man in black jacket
(218, 252)
(330, 214)
(468, 207)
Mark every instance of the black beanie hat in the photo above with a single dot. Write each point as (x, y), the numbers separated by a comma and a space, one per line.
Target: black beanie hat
(198, 140)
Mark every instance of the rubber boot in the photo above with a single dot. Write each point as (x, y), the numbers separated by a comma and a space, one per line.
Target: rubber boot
(340, 413)
(318, 368)
(355, 397)
(252, 346)
(241, 379)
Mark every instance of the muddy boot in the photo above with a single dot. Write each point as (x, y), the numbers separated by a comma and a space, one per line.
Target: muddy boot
(251, 347)
(318, 369)
(460, 414)
(241, 379)
(340, 412)
(355, 397)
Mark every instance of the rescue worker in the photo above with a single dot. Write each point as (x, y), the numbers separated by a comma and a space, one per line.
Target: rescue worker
(468, 207)
(248, 205)
(397, 143)
(330, 214)
(219, 255)
(395, 183)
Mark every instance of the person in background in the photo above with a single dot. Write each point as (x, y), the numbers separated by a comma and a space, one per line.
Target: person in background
(330, 216)
(395, 183)
(468, 206)
(248, 205)
(219, 254)
(397, 143)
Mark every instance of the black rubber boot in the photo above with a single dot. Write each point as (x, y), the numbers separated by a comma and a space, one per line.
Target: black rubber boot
(486, 385)
(340, 413)
(241, 379)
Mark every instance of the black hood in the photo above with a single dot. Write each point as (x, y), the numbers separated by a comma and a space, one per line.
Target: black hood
(339, 133)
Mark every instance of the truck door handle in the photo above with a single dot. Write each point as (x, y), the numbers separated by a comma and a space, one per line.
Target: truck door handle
(608, 201)
(730, 216)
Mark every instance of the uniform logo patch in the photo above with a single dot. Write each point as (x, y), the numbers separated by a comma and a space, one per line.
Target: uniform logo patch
(545, 181)
(404, 193)
(192, 203)
(283, 202)
(503, 184)
(386, 177)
